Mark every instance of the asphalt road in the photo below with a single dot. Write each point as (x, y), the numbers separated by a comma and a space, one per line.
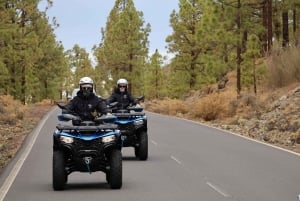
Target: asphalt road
(187, 162)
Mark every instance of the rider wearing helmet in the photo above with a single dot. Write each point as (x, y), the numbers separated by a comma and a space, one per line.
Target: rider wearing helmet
(86, 104)
(121, 95)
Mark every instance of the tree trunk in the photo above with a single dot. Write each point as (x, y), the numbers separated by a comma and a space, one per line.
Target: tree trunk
(23, 84)
(238, 51)
(294, 20)
(285, 29)
(277, 31)
(295, 26)
(254, 78)
(267, 23)
(156, 83)
(270, 29)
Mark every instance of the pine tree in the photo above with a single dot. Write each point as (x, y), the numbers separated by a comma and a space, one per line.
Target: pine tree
(184, 44)
(80, 65)
(30, 56)
(7, 27)
(124, 47)
(154, 77)
(243, 18)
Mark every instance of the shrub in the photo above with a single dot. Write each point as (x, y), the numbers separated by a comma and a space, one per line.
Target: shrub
(10, 110)
(284, 66)
(214, 106)
(168, 106)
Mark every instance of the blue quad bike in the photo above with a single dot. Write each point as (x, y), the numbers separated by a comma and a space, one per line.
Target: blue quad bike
(86, 146)
(132, 122)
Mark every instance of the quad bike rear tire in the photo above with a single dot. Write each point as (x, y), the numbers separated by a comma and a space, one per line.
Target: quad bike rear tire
(141, 151)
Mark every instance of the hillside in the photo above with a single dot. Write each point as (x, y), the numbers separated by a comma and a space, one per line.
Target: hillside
(272, 116)
(16, 122)
(277, 124)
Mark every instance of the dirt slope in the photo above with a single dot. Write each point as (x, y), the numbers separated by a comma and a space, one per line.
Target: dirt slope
(12, 136)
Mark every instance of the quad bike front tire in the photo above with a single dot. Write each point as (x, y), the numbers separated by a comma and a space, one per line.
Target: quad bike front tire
(141, 151)
(114, 177)
(59, 175)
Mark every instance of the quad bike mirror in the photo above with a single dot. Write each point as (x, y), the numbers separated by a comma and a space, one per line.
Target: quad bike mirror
(140, 99)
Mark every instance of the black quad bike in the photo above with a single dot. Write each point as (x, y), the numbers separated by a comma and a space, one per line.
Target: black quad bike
(87, 146)
(132, 122)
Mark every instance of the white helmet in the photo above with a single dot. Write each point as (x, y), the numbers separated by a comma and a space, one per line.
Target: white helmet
(122, 82)
(86, 81)
(86, 85)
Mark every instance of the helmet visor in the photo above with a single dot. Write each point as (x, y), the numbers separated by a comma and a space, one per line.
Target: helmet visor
(86, 87)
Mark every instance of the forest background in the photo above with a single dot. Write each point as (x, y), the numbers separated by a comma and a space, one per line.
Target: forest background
(253, 42)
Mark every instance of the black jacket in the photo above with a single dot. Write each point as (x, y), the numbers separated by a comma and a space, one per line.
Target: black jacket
(124, 99)
(87, 107)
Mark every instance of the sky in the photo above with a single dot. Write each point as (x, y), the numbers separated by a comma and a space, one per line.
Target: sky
(80, 21)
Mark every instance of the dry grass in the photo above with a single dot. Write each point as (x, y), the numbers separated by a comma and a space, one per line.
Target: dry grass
(284, 66)
(214, 106)
(17, 121)
(168, 106)
(11, 111)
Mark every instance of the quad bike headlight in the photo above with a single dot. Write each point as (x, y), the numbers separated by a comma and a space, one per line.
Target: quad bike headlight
(67, 140)
(108, 138)
(139, 122)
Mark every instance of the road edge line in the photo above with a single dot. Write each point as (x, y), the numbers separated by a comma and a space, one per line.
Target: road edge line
(17, 166)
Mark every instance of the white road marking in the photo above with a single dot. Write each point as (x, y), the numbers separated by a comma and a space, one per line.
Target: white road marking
(175, 159)
(153, 142)
(16, 168)
(220, 191)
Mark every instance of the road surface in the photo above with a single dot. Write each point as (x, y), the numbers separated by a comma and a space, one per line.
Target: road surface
(187, 162)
